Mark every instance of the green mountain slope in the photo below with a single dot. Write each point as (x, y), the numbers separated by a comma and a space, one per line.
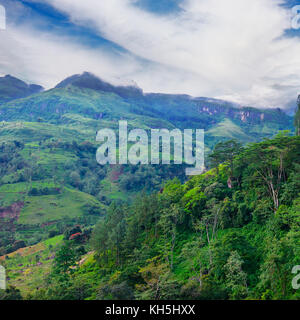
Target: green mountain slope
(49, 177)
(205, 239)
(12, 88)
(81, 105)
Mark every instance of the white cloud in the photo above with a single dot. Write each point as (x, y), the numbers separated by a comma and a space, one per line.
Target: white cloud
(46, 59)
(232, 49)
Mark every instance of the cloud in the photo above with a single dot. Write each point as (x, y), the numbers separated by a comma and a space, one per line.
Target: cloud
(46, 59)
(233, 49)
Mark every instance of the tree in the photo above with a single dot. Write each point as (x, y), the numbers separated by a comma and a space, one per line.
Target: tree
(209, 223)
(116, 226)
(159, 284)
(236, 278)
(282, 255)
(195, 201)
(99, 241)
(267, 164)
(292, 188)
(107, 238)
(197, 259)
(223, 247)
(75, 179)
(65, 258)
(225, 152)
(169, 221)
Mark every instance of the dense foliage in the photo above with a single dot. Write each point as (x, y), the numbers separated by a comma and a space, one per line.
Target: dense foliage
(72, 229)
(230, 233)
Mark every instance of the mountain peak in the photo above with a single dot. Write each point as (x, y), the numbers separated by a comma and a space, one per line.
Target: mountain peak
(91, 81)
(13, 88)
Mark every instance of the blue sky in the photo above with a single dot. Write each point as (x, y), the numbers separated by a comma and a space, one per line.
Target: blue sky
(48, 18)
(232, 49)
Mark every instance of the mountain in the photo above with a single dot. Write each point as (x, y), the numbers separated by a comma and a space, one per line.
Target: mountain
(51, 183)
(89, 81)
(88, 98)
(184, 111)
(55, 132)
(12, 88)
(176, 107)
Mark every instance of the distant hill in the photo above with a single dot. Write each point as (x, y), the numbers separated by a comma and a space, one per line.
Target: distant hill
(89, 81)
(88, 98)
(12, 88)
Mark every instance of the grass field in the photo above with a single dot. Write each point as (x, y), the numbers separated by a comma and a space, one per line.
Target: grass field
(27, 268)
(70, 203)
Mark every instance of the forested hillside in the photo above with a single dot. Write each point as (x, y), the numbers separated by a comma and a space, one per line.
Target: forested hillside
(72, 229)
(230, 233)
(12, 88)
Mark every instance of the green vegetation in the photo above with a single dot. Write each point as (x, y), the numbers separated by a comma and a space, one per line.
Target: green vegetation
(29, 267)
(69, 203)
(12, 88)
(205, 239)
(72, 229)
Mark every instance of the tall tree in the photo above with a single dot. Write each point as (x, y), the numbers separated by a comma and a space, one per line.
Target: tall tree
(267, 163)
(236, 278)
(65, 259)
(225, 152)
(169, 221)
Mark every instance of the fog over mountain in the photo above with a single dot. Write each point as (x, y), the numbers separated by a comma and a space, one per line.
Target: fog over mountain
(234, 50)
